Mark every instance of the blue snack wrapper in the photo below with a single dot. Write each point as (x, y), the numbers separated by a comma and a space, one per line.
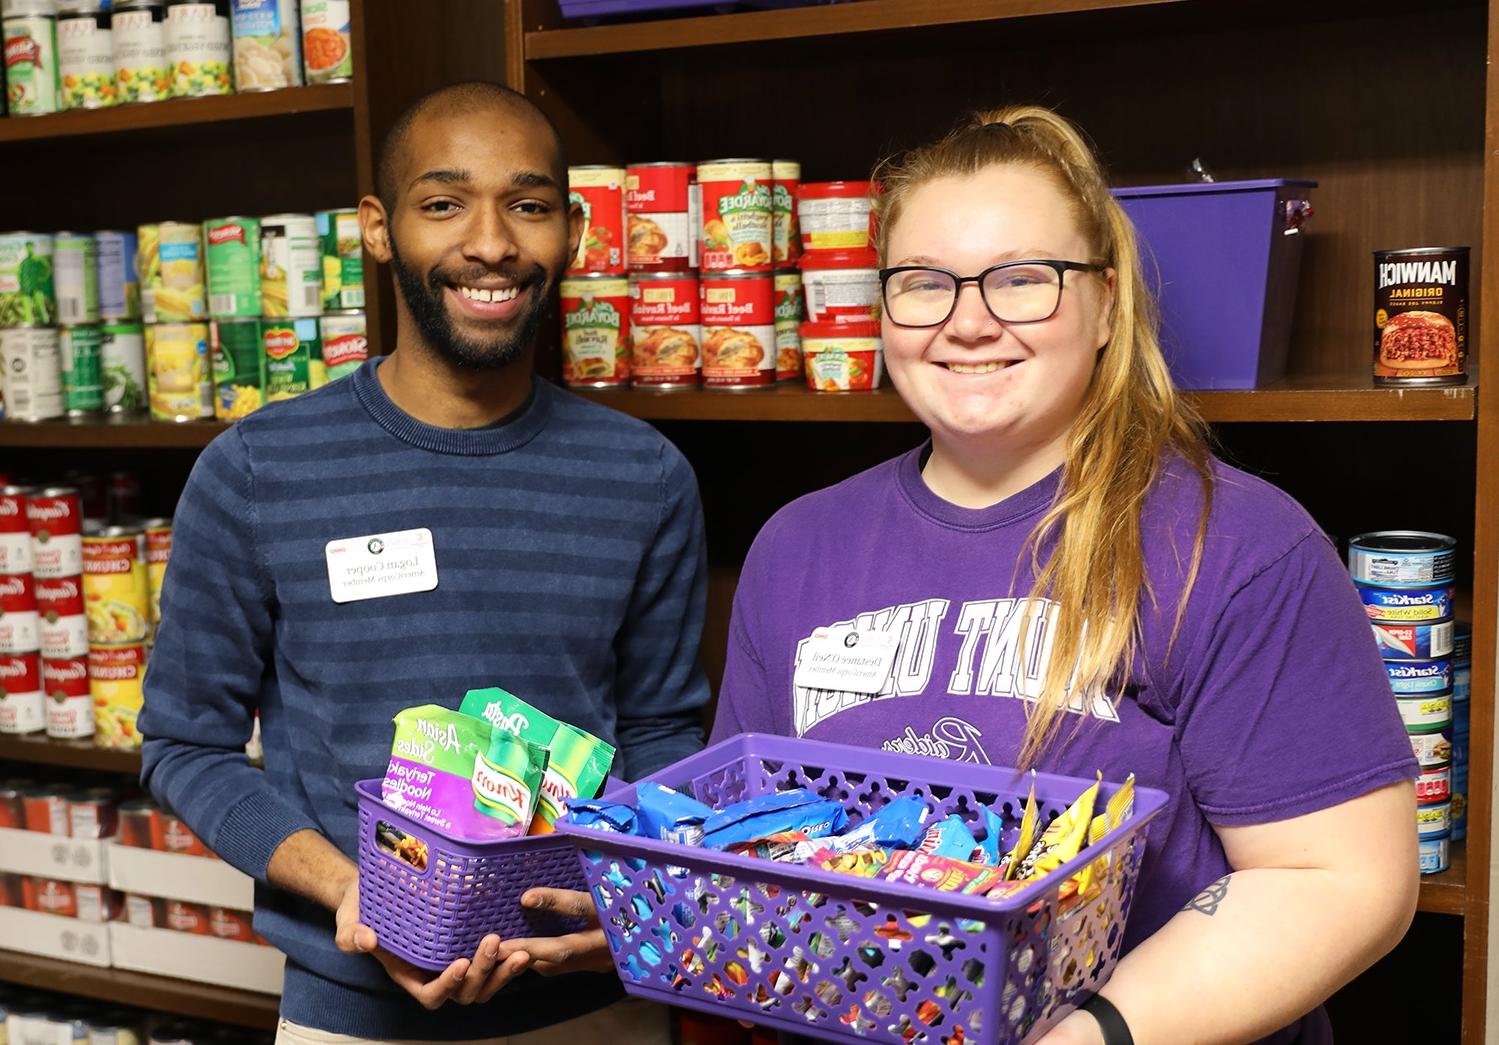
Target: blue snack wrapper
(601, 816)
(897, 826)
(798, 810)
(995, 826)
(668, 815)
(950, 838)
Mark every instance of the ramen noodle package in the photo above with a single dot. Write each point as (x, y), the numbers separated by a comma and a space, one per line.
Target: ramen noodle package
(765, 815)
(669, 815)
(1062, 839)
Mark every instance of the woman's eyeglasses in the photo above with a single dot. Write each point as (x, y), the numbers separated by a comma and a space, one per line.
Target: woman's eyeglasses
(1015, 292)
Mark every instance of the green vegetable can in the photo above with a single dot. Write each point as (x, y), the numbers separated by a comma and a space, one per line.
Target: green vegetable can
(27, 296)
(197, 39)
(75, 277)
(122, 366)
(232, 252)
(33, 86)
(290, 346)
(82, 375)
(238, 368)
(86, 56)
(343, 260)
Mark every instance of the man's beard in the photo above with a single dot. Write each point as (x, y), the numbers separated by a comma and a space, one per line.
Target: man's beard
(424, 300)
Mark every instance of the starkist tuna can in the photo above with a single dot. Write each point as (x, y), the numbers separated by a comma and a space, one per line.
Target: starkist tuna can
(1413, 641)
(1402, 559)
(1410, 678)
(1421, 316)
(1406, 605)
(1433, 819)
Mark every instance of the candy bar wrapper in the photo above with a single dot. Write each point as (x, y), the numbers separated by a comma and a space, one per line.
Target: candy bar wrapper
(866, 863)
(507, 781)
(1027, 836)
(669, 815)
(431, 770)
(994, 829)
(1062, 839)
(578, 762)
(1119, 809)
(782, 847)
(796, 810)
(950, 838)
(939, 872)
(897, 826)
(601, 816)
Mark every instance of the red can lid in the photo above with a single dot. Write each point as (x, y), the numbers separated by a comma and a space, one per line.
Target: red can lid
(816, 190)
(828, 330)
(857, 258)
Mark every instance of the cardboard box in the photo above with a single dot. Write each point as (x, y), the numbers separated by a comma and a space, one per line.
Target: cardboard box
(53, 856)
(196, 879)
(53, 936)
(204, 959)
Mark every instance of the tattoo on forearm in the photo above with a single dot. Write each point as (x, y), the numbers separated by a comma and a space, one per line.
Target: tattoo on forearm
(1207, 901)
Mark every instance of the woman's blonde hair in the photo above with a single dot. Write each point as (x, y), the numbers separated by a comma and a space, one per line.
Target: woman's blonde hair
(1131, 420)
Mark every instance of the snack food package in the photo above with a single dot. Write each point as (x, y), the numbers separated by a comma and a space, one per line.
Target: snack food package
(866, 863)
(508, 780)
(1062, 839)
(795, 810)
(1026, 838)
(994, 830)
(602, 816)
(1118, 809)
(897, 826)
(939, 872)
(950, 838)
(669, 815)
(578, 762)
(430, 775)
(788, 847)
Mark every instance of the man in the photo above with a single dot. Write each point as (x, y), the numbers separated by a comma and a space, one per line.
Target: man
(569, 568)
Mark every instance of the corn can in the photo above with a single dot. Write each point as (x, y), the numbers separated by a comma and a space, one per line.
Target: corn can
(197, 43)
(122, 362)
(231, 248)
(158, 551)
(345, 343)
(179, 376)
(291, 266)
(343, 259)
(327, 55)
(238, 368)
(82, 379)
(140, 44)
(86, 60)
(115, 676)
(171, 272)
(596, 331)
(116, 594)
(289, 346)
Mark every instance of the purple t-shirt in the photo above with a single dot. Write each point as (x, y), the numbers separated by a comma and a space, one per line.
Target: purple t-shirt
(1272, 702)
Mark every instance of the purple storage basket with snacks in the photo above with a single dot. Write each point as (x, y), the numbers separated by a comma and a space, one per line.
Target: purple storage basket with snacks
(844, 958)
(431, 897)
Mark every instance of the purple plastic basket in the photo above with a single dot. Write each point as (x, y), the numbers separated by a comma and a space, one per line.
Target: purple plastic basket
(845, 958)
(433, 914)
(1229, 255)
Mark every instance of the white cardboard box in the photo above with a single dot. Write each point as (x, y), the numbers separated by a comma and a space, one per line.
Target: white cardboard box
(54, 936)
(53, 856)
(205, 959)
(196, 879)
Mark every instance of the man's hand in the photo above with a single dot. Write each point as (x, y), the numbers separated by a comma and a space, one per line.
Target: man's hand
(585, 951)
(467, 981)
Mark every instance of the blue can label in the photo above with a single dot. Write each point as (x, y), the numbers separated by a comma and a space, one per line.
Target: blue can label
(1462, 643)
(1461, 716)
(1462, 683)
(1435, 854)
(119, 286)
(1414, 641)
(1409, 678)
(1403, 605)
(1459, 803)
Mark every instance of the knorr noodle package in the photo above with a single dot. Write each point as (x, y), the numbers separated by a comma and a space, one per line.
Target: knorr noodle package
(507, 781)
(431, 770)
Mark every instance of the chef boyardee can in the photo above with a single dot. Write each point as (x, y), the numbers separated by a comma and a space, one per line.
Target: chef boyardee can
(238, 368)
(1421, 316)
(82, 374)
(75, 278)
(1413, 641)
(1402, 558)
(1391, 605)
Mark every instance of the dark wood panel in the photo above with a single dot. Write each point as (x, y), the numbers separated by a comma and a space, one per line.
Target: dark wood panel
(115, 432)
(71, 754)
(1446, 893)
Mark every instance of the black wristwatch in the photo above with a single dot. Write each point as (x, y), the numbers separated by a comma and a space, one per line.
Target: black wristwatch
(1115, 1030)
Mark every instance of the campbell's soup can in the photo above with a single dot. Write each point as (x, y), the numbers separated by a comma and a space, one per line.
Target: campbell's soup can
(55, 515)
(738, 219)
(187, 917)
(229, 924)
(115, 676)
(1432, 711)
(70, 706)
(596, 331)
(663, 221)
(666, 330)
(791, 312)
(158, 551)
(346, 343)
(291, 265)
(785, 239)
(600, 191)
(116, 594)
(15, 532)
(1402, 558)
(63, 625)
(739, 332)
(1413, 641)
(21, 703)
(19, 620)
(1421, 316)
(1434, 783)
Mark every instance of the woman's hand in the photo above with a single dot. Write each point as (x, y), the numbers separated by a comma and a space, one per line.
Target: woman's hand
(585, 951)
(1078, 1028)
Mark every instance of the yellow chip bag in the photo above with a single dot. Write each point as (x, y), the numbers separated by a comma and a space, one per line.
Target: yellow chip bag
(1119, 809)
(1026, 838)
(1062, 839)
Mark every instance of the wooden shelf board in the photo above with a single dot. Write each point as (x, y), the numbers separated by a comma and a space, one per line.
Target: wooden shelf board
(127, 431)
(1446, 893)
(73, 754)
(122, 987)
(178, 112)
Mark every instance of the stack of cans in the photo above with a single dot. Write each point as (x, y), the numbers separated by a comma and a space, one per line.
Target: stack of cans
(21, 704)
(56, 518)
(1404, 578)
(1462, 693)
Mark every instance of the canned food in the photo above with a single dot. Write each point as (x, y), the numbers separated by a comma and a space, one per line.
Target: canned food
(55, 897)
(842, 286)
(116, 595)
(1421, 316)
(346, 345)
(791, 312)
(232, 258)
(10, 896)
(158, 551)
(75, 278)
(1406, 604)
(143, 912)
(1435, 854)
(32, 360)
(1402, 558)
(665, 330)
(55, 516)
(140, 43)
(842, 357)
(738, 330)
(1462, 684)
(63, 626)
(46, 810)
(27, 294)
(290, 346)
(187, 917)
(178, 378)
(119, 285)
(343, 260)
(1433, 819)
(596, 331)
(197, 41)
(785, 236)
(238, 368)
(171, 270)
(122, 366)
(1459, 801)
(140, 823)
(86, 60)
(662, 220)
(1433, 711)
(835, 215)
(69, 708)
(115, 674)
(98, 904)
(12, 812)
(326, 51)
(738, 218)
(1413, 641)
(18, 614)
(291, 265)
(600, 191)
(93, 813)
(15, 532)
(1431, 749)
(1434, 783)
(113, 1028)
(78, 350)
(32, 85)
(177, 837)
(228, 924)
(267, 44)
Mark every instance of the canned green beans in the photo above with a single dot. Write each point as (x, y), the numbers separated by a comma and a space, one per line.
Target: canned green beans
(122, 365)
(290, 346)
(140, 45)
(32, 84)
(82, 381)
(75, 277)
(238, 368)
(27, 297)
(86, 59)
(343, 260)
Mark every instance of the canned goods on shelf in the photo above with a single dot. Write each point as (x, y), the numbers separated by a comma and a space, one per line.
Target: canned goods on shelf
(19, 620)
(1435, 854)
(27, 294)
(1434, 783)
(1410, 678)
(1433, 819)
(63, 625)
(231, 248)
(119, 283)
(93, 812)
(790, 304)
(198, 47)
(835, 215)
(1462, 643)
(600, 190)
(291, 265)
(290, 346)
(1431, 748)
(1413, 641)
(86, 59)
(143, 912)
(98, 904)
(53, 896)
(32, 361)
(1402, 558)
(738, 215)
(179, 377)
(55, 517)
(1406, 605)
(785, 234)
(185, 917)
(228, 924)
(1421, 316)
(596, 331)
(75, 277)
(115, 590)
(45, 807)
(115, 677)
(1431, 711)
(140, 45)
(343, 259)
(158, 552)
(267, 44)
(79, 352)
(739, 336)
(661, 209)
(139, 823)
(15, 532)
(32, 84)
(70, 705)
(12, 812)
(327, 54)
(177, 837)
(171, 272)
(842, 357)
(238, 368)
(842, 286)
(665, 330)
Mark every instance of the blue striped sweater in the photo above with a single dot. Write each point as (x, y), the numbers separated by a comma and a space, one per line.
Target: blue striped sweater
(570, 558)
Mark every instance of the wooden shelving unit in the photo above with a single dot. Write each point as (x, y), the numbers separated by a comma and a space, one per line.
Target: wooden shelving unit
(38, 750)
(116, 432)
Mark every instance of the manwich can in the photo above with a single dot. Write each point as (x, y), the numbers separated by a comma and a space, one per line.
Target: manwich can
(600, 190)
(1421, 316)
(596, 331)
(738, 330)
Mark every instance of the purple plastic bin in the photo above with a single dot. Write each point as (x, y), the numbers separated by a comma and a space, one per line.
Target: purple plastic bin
(1228, 254)
(436, 910)
(850, 959)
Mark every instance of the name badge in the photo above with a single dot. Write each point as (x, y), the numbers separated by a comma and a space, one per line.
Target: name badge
(847, 660)
(380, 565)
